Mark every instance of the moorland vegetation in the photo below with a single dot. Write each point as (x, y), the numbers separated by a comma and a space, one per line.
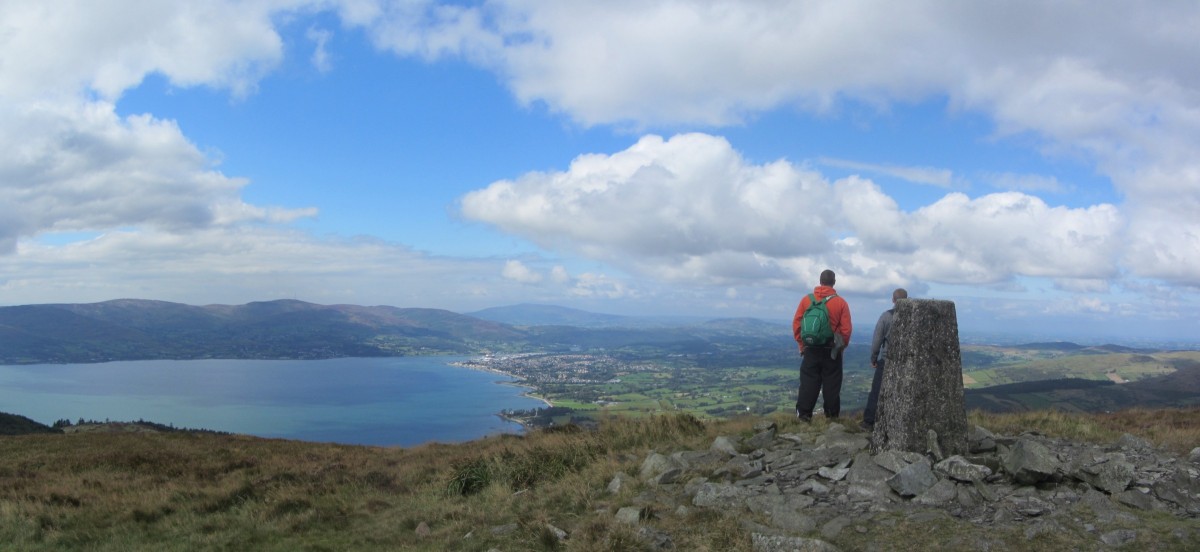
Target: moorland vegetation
(546, 490)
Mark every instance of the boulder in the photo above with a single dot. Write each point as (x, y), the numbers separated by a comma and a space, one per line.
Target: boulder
(619, 481)
(1119, 537)
(913, 480)
(721, 496)
(632, 515)
(1030, 462)
(654, 465)
(1108, 472)
(864, 469)
(959, 469)
(762, 439)
(833, 474)
(896, 460)
(940, 493)
(725, 445)
(1181, 488)
(772, 543)
(980, 440)
(779, 504)
(848, 442)
(1131, 443)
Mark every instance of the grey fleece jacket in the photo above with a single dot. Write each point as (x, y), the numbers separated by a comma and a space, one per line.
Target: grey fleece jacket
(879, 340)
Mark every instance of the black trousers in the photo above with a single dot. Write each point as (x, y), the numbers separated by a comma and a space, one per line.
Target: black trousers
(873, 399)
(819, 374)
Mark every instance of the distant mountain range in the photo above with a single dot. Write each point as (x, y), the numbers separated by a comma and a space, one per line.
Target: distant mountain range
(528, 314)
(550, 315)
(134, 329)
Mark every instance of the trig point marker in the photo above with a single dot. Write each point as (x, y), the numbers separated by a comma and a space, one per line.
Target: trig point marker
(922, 387)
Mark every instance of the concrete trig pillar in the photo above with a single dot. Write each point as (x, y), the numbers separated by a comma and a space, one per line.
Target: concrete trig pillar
(922, 387)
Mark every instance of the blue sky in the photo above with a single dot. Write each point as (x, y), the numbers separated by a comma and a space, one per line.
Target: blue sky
(1033, 163)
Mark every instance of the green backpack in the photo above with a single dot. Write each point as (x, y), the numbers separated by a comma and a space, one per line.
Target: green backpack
(815, 329)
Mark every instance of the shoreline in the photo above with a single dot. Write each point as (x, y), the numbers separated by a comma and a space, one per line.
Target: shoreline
(529, 395)
(516, 383)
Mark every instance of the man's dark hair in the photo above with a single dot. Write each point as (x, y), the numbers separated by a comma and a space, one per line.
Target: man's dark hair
(827, 277)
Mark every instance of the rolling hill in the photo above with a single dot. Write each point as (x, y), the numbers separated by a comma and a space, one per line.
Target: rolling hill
(135, 329)
(132, 329)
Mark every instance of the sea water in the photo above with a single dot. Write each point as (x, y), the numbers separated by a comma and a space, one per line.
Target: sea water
(402, 401)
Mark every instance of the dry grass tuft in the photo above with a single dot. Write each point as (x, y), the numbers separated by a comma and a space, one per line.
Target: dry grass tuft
(1177, 430)
(141, 491)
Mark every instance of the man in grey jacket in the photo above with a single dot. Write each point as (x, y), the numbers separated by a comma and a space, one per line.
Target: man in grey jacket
(878, 356)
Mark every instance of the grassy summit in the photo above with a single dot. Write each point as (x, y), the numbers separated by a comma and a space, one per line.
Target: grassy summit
(188, 491)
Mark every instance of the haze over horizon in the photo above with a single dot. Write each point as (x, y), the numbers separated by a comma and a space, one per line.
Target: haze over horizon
(1033, 162)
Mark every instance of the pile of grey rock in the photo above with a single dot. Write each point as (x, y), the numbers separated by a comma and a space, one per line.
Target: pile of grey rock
(800, 491)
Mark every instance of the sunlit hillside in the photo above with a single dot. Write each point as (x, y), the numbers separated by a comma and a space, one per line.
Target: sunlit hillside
(125, 491)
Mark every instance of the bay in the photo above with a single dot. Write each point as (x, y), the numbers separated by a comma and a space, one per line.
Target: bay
(400, 401)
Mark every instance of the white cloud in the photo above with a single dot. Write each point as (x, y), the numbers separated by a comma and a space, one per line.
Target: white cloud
(1032, 183)
(559, 275)
(993, 237)
(942, 178)
(1082, 285)
(1087, 305)
(689, 204)
(80, 167)
(599, 285)
(517, 271)
(61, 48)
(1110, 82)
(690, 209)
(321, 59)
(234, 265)
(69, 163)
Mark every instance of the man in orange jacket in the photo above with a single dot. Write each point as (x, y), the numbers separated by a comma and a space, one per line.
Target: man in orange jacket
(821, 365)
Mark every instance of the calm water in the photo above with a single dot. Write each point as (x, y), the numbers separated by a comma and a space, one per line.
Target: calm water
(372, 401)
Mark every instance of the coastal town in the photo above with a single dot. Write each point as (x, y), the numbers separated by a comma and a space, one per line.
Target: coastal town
(547, 369)
(581, 387)
(570, 378)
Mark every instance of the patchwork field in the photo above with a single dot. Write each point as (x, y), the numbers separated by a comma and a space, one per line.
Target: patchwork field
(1038, 376)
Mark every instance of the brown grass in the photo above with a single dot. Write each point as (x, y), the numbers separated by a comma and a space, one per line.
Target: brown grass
(1174, 429)
(143, 491)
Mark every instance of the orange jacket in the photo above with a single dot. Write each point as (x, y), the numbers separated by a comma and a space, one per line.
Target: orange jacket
(839, 314)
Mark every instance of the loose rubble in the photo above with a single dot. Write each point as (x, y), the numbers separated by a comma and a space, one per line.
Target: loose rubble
(808, 488)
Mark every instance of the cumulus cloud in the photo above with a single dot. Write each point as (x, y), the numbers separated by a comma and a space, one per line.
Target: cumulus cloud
(1108, 82)
(68, 162)
(80, 167)
(990, 238)
(559, 275)
(691, 209)
(688, 205)
(517, 271)
(60, 48)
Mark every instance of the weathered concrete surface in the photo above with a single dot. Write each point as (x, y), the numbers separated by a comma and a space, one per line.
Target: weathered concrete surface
(922, 386)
